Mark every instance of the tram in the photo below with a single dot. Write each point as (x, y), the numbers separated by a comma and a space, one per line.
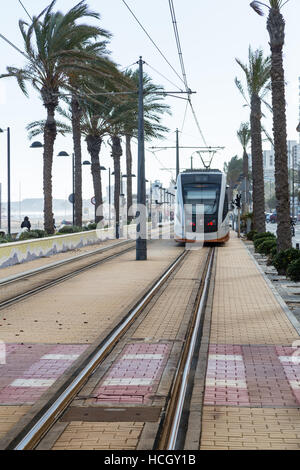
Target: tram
(205, 189)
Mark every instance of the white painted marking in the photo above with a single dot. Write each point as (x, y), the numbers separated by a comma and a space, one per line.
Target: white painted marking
(225, 357)
(295, 384)
(32, 382)
(127, 381)
(143, 356)
(290, 359)
(226, 383)
(60, 357)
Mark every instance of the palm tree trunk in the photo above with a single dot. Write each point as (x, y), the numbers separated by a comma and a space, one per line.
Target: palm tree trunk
(245, 207)
(116, 155)
(276, 27)
(49, 139)
(257, 166)
(129, 177)
(76, 116)
(94, 146)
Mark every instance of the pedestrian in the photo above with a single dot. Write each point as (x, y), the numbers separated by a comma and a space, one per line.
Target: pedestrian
(26, 223)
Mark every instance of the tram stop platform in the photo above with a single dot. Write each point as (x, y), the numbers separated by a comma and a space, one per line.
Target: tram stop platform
(252, 385)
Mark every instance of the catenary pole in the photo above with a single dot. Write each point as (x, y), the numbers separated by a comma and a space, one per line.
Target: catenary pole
(141, 242)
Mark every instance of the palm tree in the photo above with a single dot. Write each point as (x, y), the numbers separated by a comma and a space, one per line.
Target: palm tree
(97, 55)
(257, 73)
(234, 171)
(244, 136)
(276, 29)
(154, 108)
(51, 45)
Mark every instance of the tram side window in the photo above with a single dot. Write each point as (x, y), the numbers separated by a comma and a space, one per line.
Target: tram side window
(225, 208)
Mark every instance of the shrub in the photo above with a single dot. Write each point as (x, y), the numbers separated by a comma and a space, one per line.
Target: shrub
(285, 257)
(3, 240)
(260, 241)
(250, 235)
(293, 270)
(69, 229)
(28, 235)
(267, 245)
(40, 233)
(92, 226)
(263, 235)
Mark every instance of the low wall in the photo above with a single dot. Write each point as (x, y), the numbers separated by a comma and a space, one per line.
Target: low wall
(28, 250)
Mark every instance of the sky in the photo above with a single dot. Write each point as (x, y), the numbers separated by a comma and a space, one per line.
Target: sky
(212, 35)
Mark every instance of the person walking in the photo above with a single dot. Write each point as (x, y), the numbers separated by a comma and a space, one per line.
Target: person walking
(26, 223)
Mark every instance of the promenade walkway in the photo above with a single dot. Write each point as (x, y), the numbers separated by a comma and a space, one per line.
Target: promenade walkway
(252, 390)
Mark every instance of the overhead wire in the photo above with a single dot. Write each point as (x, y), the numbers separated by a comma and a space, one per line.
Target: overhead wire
(155, 45)
(163, 76)
(25, 10)
(179, 50)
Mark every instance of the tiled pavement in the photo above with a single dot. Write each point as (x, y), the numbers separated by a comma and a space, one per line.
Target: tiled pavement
(252, 392)
(135, 375)
(30, 369)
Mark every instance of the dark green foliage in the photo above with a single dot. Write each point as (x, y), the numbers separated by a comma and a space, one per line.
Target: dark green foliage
(285, 257)
(250, 235)
(92, 226)
(28, 235)
(267, 245)
(263, 235)
(69, 229)
(40, 233)
(260, 241)
(293, 270)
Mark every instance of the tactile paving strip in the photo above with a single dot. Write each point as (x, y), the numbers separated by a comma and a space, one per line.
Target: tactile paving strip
(252, 375)
(135, 375)
(29, 369)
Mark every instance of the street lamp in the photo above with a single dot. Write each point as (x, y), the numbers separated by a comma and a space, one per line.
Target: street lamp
(102, 168)
(65, 154)
(8, 178)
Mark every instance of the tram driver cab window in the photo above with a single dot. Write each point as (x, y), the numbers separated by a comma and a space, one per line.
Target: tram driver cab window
(226, 208)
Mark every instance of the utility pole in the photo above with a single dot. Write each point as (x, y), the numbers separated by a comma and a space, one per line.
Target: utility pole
(8, 182)
(73, 188)
(177, 155)
(109, 199)
(141, 242)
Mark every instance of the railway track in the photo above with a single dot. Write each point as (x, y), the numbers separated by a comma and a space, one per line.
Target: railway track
(21, 286)
(18, 287)
(171, 425)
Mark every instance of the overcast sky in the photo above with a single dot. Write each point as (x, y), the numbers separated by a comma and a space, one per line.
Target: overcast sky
(212, 34)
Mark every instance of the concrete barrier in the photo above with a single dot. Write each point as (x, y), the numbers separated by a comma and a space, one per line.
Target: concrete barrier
(28, 250)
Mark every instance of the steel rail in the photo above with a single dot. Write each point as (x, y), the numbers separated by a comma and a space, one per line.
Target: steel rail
(64, 277)
(52, 414)
(60, 279)
(57, 264)
(178, 395)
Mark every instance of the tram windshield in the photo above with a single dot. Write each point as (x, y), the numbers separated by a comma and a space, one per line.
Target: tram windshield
(206, 194)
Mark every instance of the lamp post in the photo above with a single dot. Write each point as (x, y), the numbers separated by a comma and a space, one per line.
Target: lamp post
(65, 154)
(141, 241)
(8, 180)
(102, 168)
(126, 176)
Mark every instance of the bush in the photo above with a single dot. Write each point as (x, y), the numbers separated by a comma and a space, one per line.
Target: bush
(285, 257)
(261, 237)
(40, 233)
(250, 235)
(3, 240)
(70, 229)
(267, 245)
(28, 235)
(293, 270)
(264, 235)
(92, 226)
